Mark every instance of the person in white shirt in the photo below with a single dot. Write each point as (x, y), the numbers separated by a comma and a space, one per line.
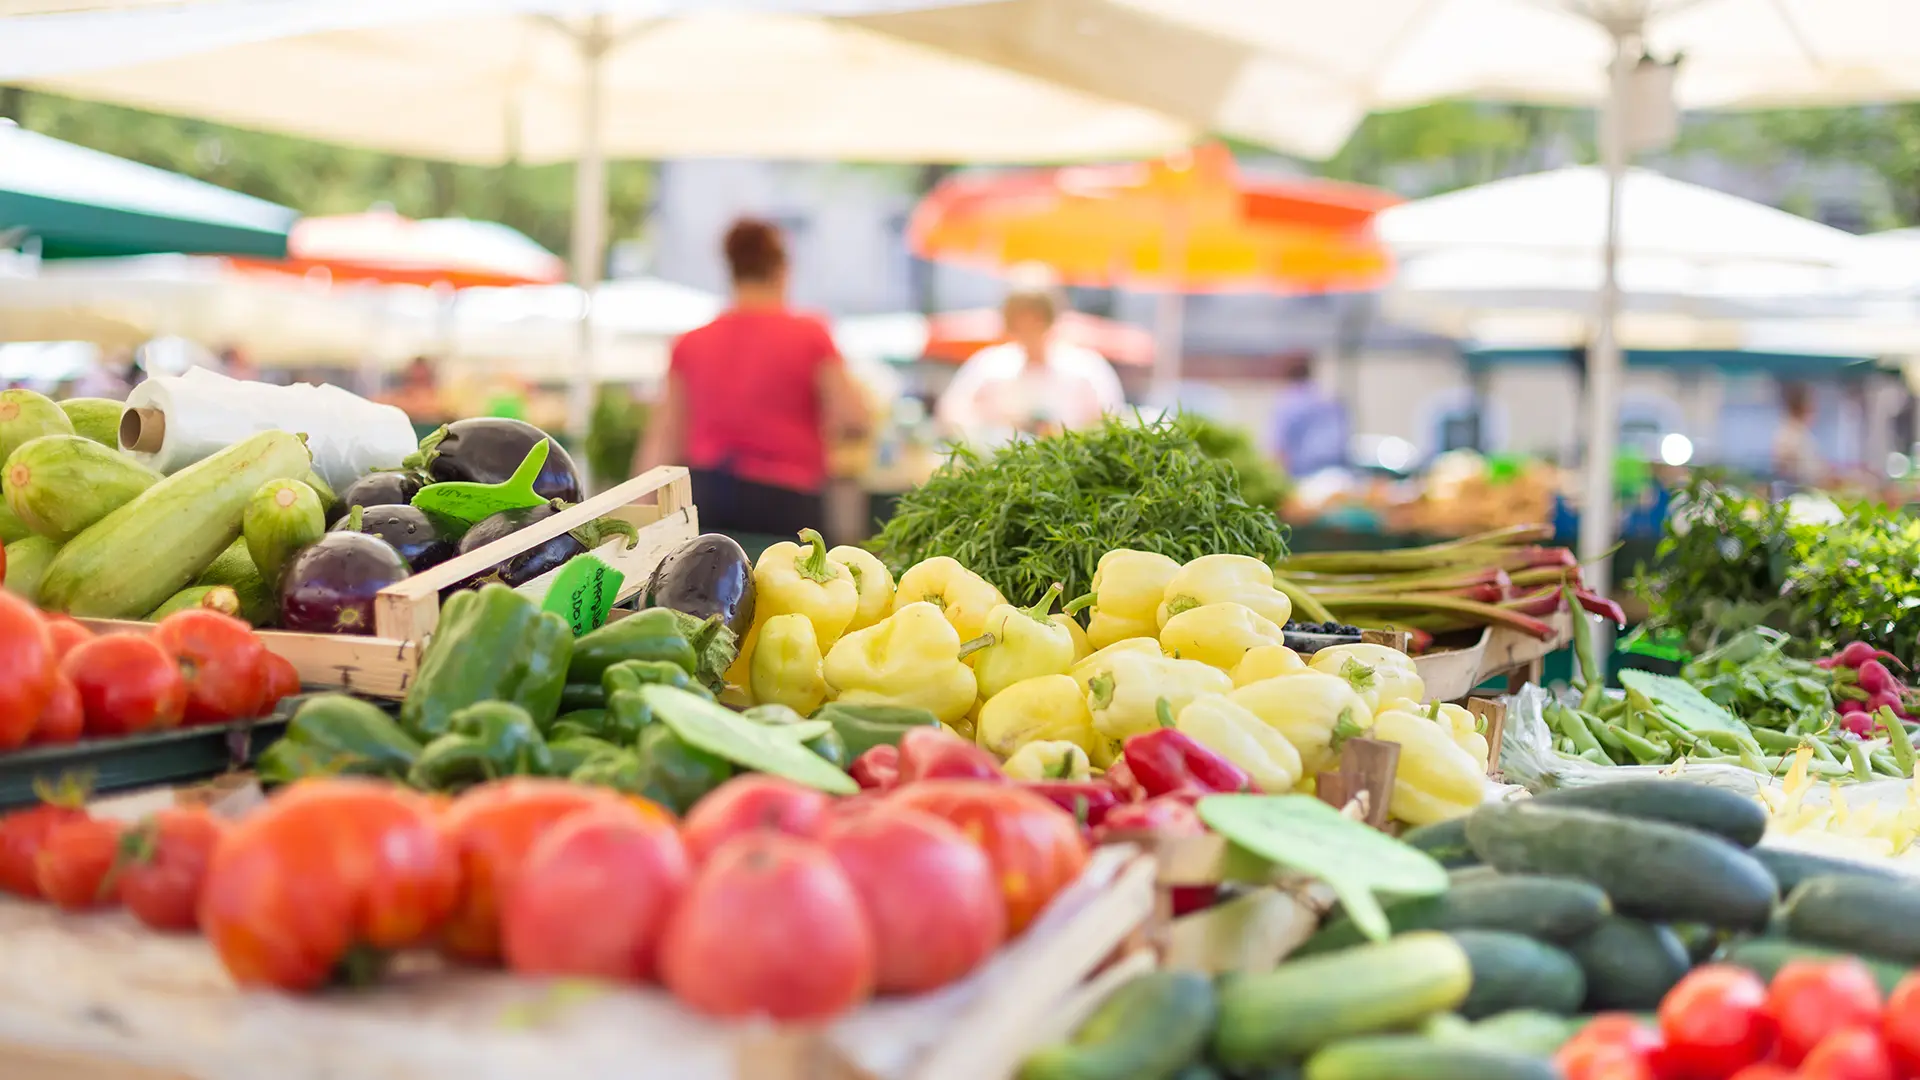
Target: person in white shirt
(1032, 383)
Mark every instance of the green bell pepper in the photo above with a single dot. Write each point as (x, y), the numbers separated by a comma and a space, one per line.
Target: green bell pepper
(575, 697)
(830, 746)
(492, 644)
(677, 775)
(627, 712)
(576, 750)
(334, 735)
(653, 634)
(863, 727)
(483, 742)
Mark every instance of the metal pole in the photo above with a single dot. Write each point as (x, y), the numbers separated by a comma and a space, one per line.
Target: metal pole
(589, 218)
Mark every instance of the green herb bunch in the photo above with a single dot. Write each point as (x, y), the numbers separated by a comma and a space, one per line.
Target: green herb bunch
(1262, 483)
(1045, 510)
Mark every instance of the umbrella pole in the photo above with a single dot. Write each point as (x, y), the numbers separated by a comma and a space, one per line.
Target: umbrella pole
(589, 221)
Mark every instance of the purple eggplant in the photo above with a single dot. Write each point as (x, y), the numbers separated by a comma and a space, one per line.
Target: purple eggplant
(411, 532)
(487, 449)
(706, 576)
(377, 489)
(330, 584)
(544, 556)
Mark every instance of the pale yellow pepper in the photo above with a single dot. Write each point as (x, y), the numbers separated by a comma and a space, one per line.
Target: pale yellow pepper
(1081, 648)
(1266, 662)
(1124, 695)
(786, 665)
(1048, 761)
(871, 581)
(1436, 779)
(911, 657)
(1020, 643)
(1460, 723)
(1378, 673)
(1229, 729)
(1045, 708)
(1127, 589)
(1315, 711)
(1218, 635)
(961, 595)
(1084, 671)
(1217, 579)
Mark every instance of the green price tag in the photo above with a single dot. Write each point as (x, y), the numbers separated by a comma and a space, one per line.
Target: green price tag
(473, 503)
(584, 592)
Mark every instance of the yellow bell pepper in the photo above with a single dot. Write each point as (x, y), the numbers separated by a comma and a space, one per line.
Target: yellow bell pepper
(1127, 589)
(1124, 695)
(789, 579)
(1266, 662)
(1218, 579)
(1081, 649)
(1216, 722)
(1020, 643)
(740, 672)
(1048, 761)
(1314, 710)
(1218, 635)
(786, 665)
(961, 595)
(871, 582)
(1379, 673)
(1045, 708)
(1436, 779)
(1460, 724)
(911, 657)
(1084, 671)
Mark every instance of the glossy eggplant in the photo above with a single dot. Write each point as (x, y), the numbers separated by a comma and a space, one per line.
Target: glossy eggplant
(376, 489)
(542, 557)
(330, 584)
(487, 449)
(411, 532)
(706, 576)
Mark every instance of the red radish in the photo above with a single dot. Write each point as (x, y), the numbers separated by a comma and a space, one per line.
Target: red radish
(1885, 699)
(1874, 678)
(1857, 723)
(1858, 653)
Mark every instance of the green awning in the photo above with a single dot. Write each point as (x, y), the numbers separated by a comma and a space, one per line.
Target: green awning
(81, 203)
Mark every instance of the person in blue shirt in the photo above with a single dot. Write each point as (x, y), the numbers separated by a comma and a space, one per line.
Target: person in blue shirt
(1309, 425)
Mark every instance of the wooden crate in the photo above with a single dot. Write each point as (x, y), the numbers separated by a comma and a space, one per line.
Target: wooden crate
(1452, 674)
(96, 996)
(659, 505)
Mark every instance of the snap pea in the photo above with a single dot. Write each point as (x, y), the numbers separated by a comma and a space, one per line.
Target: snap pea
(1576, 729)
(1778, 740)
(1644, 751)
(1603, 733)
(1862, 766)
(1899, 740)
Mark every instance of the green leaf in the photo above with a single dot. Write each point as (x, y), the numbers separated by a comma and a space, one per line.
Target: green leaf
(777, 751)
(1302, 833)
(1681, 702)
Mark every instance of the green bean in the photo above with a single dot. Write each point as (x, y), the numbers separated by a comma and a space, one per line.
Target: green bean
(1823, 749)
(1884, 764)
(1777, 740)
(1643, 750)
(1597, 756)
(1603, 732)
(1862, 767)
(1899, 740)
(1576, 730)
(1612, 709)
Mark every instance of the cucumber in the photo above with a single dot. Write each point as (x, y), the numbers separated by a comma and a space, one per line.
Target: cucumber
(27, 562)
(26, 415)
(1630, 965)
(1548, 908)
(1790, 867)
(1857, 914)
(234, 568)
(1512, 972)
(1446, 841)
(130, 561)
(1149, 1029)
(95, 418)
(1528, 1031)
(220, 598)
(1650, 869)
(1273, 1017)
(1701, 942)
(1476, 872)
(281, 518)
(1410, 1057)
(1733, 817)
(11, 527)
(1765, 956)
(60, 484)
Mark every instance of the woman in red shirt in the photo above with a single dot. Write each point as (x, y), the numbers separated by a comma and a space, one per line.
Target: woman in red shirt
(753, 400)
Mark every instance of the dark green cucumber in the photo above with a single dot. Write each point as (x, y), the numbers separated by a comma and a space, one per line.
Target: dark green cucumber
(1514, 972)
(1410, 1057)
(1548, 908)
(1630, 965)
(1857, 914)
(1790, 868)
(1149, 1029)
(1765, 956)
(1733, 817)
(1281, 1015)
(1445, 841)
(1650, 869)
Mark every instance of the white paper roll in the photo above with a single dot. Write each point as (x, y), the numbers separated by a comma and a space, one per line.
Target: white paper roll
(207, 412)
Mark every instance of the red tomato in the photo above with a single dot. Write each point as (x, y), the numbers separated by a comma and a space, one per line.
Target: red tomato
(1766, 1070)
(1596, 1051)
(1716, 1022)
(22, 834)
(1901, 1026)
(594, 895)
(163, 865)
(62, 720)
(325, 866)
(67, 635)
(928, 892)
(222, 660)
(492, 827)
(128, 684)
(1035, 847)
(75, 866)
(749, 804)
(1810, 999)
(1854, 1053)
(27, 670)
(770, 927)
(281, 681)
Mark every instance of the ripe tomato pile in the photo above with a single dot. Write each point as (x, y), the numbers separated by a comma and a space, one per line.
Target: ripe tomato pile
(1818, 1020)
(60, 682)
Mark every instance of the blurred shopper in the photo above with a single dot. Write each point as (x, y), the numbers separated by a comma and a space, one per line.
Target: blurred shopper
(418, 394)
(753, 401)
(109, 377)
(235, 364)
(1796, 453)
(1309, 425)
(1032, 383)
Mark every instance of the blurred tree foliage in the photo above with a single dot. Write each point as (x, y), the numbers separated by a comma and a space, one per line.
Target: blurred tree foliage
(322, 178)
(1455, 144)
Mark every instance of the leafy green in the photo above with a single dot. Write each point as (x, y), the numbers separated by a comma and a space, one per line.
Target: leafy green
(1682, 703)
(1045, 510)
(1262, 482)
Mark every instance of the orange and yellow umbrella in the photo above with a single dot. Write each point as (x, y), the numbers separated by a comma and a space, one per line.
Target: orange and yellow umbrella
(381, 246)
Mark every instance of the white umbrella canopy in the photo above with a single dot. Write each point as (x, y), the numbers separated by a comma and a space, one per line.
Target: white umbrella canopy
(535, 329)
